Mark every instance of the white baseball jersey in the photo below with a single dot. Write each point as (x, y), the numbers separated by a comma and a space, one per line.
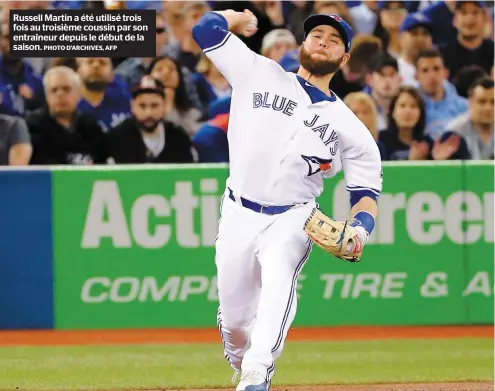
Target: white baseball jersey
(285, 135)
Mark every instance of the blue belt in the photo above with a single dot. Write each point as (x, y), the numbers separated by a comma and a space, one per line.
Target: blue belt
(254, 206)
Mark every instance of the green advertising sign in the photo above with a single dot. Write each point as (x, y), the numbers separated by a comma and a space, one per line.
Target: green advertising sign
(134, 247)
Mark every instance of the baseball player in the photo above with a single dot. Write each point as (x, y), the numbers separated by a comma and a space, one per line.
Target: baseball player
(287, 132)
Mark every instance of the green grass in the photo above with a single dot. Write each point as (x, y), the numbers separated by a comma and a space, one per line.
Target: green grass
(181, 366)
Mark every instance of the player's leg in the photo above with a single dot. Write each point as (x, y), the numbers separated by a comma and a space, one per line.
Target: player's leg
(283, 251)
(238, 278)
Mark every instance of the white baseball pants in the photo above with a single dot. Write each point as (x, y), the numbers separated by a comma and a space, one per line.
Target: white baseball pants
(258, 259)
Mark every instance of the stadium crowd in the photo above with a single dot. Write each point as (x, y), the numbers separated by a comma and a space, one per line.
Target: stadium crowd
(420, 77)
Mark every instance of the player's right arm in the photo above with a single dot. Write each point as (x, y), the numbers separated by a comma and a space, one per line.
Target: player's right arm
(214, 35)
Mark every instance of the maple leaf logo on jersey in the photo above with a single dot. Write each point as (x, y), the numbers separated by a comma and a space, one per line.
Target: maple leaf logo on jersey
(317, 164)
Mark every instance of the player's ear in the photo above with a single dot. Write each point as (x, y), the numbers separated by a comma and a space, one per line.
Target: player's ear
(345, 59)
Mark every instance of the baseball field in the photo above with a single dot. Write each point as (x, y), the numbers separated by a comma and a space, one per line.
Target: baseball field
(450, 358)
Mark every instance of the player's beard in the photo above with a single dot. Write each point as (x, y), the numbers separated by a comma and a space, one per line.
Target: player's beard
(318, 67)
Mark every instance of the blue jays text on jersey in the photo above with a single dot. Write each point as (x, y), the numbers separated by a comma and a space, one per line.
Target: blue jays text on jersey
(274, 102)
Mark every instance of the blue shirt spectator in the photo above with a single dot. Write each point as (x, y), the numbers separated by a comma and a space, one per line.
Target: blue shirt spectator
(105, 97)
(21, 86)
(219, 106)
(440, 113)
(442, 101)
(210, 142)
(210, 83)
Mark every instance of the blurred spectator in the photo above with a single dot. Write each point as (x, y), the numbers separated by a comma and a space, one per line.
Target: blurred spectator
(290, 61)
(334, 7)
(172, 12)
(404, 139)
(39, 64)
(441, 14)
(22, 86)
(470, 136)
(210, 83)
(390, 17)
(210, 141)
(186, 51)
(442, 101)
(297, 11)
(145, 137)
(364, 17)
(383, 85)
(133, 69)
(364, 108)
(415, 36)
(60, 133)
(219, 106)
(69, 62)
(15, 145)
(418, 5)
(180, 109)
(103, 97)
(352, 77)
(276, 43)
(269, 13)
(470, 47)
(465, 77)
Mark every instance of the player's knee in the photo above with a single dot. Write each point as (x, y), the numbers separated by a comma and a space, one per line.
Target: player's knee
(238, 322)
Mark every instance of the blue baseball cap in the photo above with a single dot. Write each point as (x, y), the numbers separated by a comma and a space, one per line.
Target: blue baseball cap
(333, 20)
(414, 20)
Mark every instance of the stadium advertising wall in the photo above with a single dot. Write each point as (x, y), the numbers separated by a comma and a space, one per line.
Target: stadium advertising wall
(125, 247)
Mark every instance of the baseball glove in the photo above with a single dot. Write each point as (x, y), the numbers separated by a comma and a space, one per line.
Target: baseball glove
(339, 238)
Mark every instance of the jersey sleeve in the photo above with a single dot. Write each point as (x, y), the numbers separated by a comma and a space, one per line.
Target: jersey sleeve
(362, 168)
(228, 53)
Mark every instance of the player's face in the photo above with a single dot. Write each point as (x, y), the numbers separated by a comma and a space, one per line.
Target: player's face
(406, 112)
(96, 73)
(386, 83)
(415, 40)
(166, 71)
(481, 105)
(148, 110)
(62, 95)
(323, 51)
(431, 73)
(470, 21)
(364, 113)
